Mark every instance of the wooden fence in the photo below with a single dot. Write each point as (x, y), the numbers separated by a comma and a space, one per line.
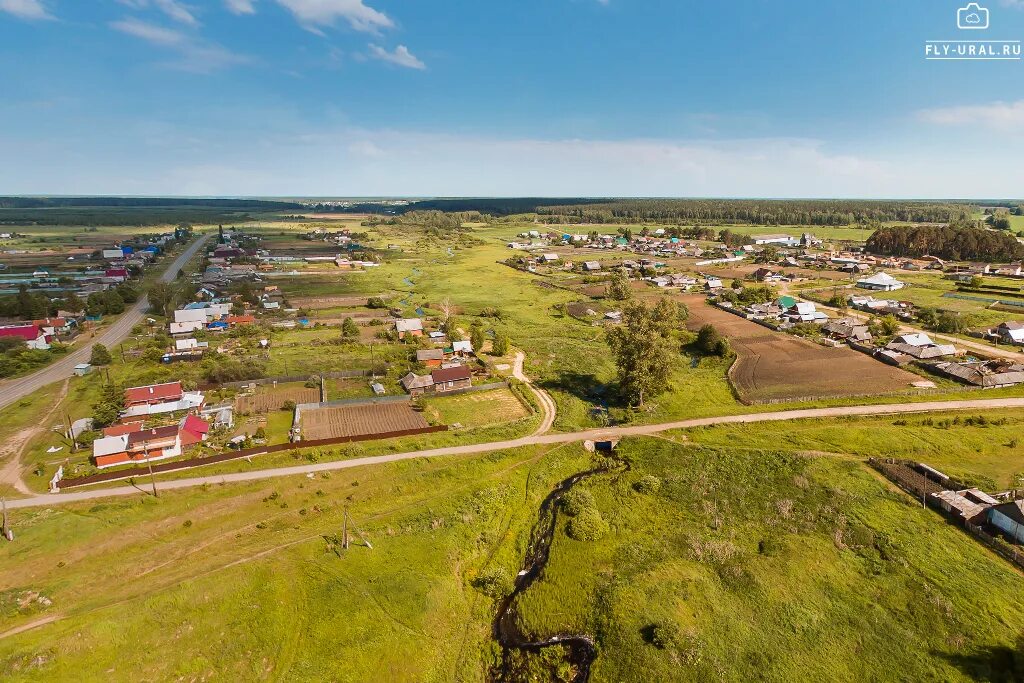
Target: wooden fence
(227, 456)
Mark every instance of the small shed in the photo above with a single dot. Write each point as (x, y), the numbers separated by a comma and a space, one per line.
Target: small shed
(82, 369)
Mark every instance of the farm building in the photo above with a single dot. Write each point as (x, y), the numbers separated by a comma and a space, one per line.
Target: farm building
(805, 312)
(775, 239)
(417, 385)
(881, 282)
(592, 265)
(1010, 332)
(1009, 517)
(432, 358)
(988, 374)
(970, 504)
(411, 327)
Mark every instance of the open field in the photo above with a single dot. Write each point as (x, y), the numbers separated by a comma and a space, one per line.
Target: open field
(774, 365)
(762, 565)
(360, 420)
(475, 409)
(266, 399)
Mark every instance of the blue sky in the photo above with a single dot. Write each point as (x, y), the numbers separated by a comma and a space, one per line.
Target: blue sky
(537, 97)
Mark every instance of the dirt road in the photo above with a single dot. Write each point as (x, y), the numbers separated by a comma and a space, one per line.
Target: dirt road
(547, 404)
(47, 500)
(15, 390)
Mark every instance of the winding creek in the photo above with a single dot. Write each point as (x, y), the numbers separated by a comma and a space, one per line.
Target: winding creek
(582, 650)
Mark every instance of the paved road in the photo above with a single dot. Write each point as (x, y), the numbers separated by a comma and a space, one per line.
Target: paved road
(15, 390)
(46, 500)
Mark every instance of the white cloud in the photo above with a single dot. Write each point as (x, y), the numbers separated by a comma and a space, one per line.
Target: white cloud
(25, 9)
(314, 13)
(401, 56)
(193, 55)
(172, 8)
(175, 10)
(149, 32)
(240, 6)
(1002, 116)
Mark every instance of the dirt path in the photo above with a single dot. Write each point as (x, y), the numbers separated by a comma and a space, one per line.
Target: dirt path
(547, 404)
(14, 448)
(46, 500)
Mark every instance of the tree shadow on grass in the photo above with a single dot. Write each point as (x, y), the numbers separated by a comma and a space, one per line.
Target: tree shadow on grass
(586, 387)
(991, 664)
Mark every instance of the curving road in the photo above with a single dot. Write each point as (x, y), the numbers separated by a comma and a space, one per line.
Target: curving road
(15, 390)
(45, 500)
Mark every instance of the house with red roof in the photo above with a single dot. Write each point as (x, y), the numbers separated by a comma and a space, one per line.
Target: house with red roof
(30, 333)
(124, 444)
(155, 399)
(117, 274)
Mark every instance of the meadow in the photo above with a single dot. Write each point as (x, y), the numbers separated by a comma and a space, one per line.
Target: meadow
(723, 564)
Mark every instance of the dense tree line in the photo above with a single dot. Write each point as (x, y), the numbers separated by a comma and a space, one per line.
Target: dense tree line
(759, 212)
(668, 211)
(146, 202)
(954, 242)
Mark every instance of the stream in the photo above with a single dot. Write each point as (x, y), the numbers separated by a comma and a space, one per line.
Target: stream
(581, 648)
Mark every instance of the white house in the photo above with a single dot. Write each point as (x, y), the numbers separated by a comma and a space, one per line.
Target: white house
(881, 282)
(113, 254)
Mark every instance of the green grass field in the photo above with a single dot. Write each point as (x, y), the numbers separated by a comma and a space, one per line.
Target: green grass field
(760, 565)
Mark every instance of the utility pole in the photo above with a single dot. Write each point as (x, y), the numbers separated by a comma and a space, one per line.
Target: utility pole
(122, 352)
(149, 464)
(344, 532)
(373, 366)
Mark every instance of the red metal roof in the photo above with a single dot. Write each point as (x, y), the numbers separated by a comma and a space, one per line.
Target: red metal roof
(455, 374)
(195, 425)
(154, 393)
(119, 430)
(26, 332)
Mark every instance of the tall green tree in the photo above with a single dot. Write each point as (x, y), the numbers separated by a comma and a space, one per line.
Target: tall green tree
(476, 337)
(500, 346)
(162, 297)
(349, 328)
(108, 406)
(643, 354)
(100, 355)
(618, 288)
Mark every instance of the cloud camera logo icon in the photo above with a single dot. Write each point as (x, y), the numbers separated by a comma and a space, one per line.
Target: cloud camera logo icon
(971, 18)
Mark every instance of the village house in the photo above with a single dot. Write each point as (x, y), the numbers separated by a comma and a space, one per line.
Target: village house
(847, 330)
(591, 266)
(920, 346)
(31, 334)
(804, 312)
(441, 380)
(767, 275)
(462, 349)
(156, 399)
(135, 443)
(880, 282)
(409, 327)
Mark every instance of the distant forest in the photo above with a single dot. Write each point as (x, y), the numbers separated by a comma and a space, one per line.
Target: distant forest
(957, 243)
(143, 202)
(135, 211)
(694, 211)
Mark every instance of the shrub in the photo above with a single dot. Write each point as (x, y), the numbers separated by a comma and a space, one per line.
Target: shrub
(576, 501)
(494, 583)
(288, 405)
(648, 484)
(588, 525)
(100, 355)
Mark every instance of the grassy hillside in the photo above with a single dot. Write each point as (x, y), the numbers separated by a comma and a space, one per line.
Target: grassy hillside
(765, 566)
